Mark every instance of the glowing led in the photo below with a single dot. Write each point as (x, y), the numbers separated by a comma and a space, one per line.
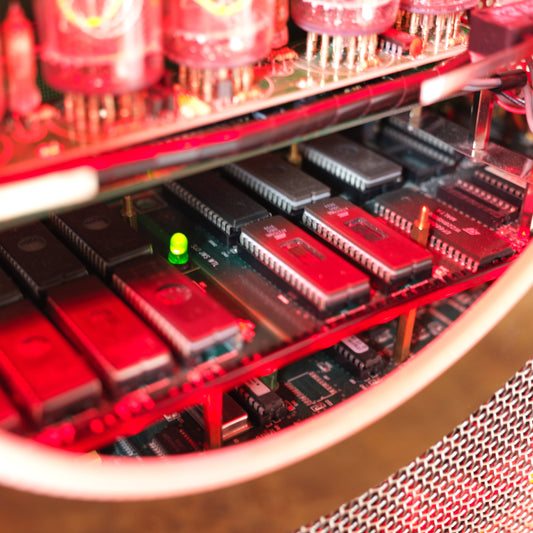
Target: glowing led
(178, 249)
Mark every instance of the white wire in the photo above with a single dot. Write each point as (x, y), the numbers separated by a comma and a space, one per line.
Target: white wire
(47, 192)
(528, 98)
(483, 83)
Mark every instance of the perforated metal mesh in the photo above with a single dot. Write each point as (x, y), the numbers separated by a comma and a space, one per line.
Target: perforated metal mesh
(477, 479)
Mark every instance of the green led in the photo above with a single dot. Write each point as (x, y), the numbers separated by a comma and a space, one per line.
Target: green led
(178, 249)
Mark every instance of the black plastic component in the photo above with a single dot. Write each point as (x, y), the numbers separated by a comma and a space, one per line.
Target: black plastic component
(511, 79)
(172, 441)
(9, 292)
(45, 376)
(451, 233)
(124, 351)
(38, 258)
(478, 203)
(498, 186)
(420, 161)
(497, 28)
(188, 318)
(220, 202)
(10, 419)
(262, 404)
(276, 180)
(382, 250)
(362, 360)
(101, 236)
(348, 163)
(320, 275)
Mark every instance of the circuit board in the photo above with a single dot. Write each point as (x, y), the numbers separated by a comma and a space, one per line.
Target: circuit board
(269, 277)
(307, 387)
(48, 140)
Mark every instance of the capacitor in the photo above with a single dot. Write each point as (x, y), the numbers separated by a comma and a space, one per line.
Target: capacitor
(209, 37)
(433, 19)
(348, 28)
(21, 69)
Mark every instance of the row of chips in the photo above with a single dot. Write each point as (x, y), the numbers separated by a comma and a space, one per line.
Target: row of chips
(112, 350)
(234, 201)
(157, 318)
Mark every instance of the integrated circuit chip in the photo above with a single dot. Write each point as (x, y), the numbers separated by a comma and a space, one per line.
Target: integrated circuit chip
(360, 358)
(101, 236)
(38, 258)
(381, 249)
(124, 351)
(451, 233)
(217, 200)
(10, 419)
(499, 186)
(320, 275)
(478, 203)
(279, 182)
(182, 313)
(9, 292)
(263, 403)
(43, 373)
(349, 162)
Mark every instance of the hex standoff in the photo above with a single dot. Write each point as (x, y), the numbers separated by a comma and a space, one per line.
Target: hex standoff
(420, 230)
(128, 212)
(406, 322)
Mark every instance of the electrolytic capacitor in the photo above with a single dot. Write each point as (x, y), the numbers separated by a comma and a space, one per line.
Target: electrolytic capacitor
(21, 69)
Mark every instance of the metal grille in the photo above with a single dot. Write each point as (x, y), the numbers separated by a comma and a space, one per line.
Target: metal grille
(477, 479)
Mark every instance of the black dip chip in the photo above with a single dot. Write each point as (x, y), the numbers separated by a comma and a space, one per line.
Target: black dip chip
(279, 182)
(218, 201)
(460, 238)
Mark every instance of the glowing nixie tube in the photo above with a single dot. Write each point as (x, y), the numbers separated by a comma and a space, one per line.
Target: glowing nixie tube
(436, 7)
(352, 24)
(208, 37)
(433, 19)
(100, 46)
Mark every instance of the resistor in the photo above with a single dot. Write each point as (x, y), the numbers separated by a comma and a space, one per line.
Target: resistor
(21, 67)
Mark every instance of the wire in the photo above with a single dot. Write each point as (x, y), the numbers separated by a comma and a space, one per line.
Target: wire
(508, 107)
(512, 99)
(483, 83)
(529, 106)
(528, 96)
